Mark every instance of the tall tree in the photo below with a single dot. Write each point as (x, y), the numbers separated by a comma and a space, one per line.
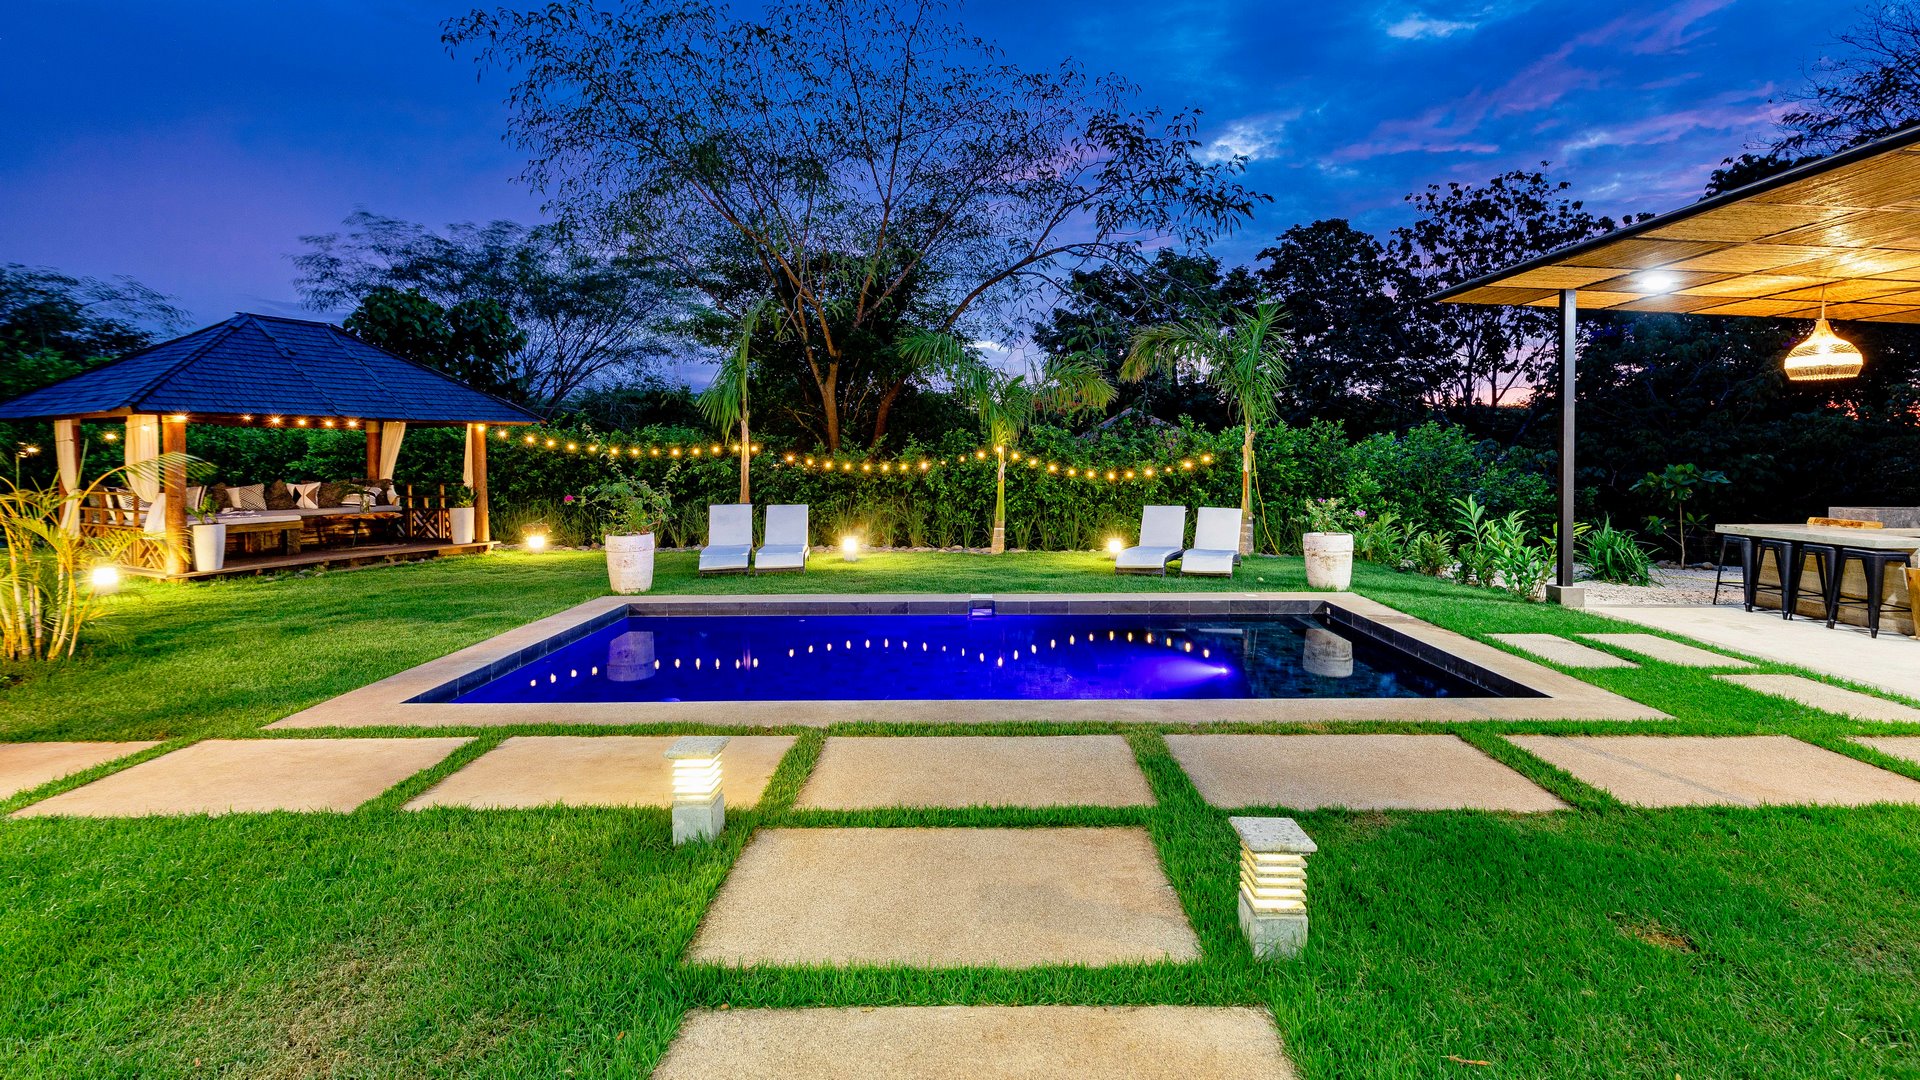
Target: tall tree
(1871, 88)
(879, 134)
(473, 341)
(1243, 355)
(588, 317)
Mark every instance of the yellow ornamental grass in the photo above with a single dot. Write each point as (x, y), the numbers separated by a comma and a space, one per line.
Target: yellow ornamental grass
(45, 600)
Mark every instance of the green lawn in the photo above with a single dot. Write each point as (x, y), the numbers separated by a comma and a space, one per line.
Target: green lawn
(1604, 941)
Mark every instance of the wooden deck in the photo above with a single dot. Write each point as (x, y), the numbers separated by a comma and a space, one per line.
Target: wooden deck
(331, 558)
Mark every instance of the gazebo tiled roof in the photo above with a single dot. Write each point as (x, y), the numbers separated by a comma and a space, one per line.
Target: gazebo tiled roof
(267, 366)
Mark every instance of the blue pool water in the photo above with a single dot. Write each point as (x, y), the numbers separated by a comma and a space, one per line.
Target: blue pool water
(955, 657)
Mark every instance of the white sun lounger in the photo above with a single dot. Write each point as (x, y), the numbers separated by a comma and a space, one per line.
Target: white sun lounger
(1216, 543)
(729, 538)
(1163, 529)
(786, 546)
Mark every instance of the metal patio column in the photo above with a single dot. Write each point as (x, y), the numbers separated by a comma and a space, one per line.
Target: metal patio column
(1562, 590)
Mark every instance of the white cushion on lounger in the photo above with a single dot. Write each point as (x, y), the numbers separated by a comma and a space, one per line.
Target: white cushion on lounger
(786, 546)
(1216, 543)
(729, 537)
(1162, 530)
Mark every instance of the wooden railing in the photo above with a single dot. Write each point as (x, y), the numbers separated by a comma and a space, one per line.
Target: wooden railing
(102, 515)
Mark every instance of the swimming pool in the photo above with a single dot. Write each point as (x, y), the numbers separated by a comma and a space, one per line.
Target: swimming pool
(982, 655)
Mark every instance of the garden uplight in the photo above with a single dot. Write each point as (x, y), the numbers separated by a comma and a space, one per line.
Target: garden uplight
(850, 548)
(1115, 545)
(105, 580)
(1273, 884)
(536, 541)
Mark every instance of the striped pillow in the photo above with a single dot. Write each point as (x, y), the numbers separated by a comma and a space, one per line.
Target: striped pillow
(248, 496)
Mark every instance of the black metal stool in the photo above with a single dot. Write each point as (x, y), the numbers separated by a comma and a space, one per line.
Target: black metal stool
(1741, 545)
(1783, 557)
(1874, 565)
(1826, 567)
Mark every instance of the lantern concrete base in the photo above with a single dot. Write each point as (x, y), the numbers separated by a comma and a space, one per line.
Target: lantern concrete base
(1573, 596)
(1273, 937)
(699, 821)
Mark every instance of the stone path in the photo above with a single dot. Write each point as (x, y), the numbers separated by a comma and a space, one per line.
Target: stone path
(25, 766)
(946, 897)
(1831, 698)
(958, 771)
(992, 1042)
(1697, 770)
(1359, 772)
(239, 775)
(1900, 746)
(598, 770)
(1668, 651)
(1559, 650)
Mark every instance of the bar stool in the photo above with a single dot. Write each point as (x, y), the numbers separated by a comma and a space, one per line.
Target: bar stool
(1741, 545)
(1874, 565)
(1826, 560)
(1783, 557)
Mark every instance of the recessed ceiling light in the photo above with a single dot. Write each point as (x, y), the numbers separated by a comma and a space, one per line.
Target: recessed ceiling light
(1659, 281)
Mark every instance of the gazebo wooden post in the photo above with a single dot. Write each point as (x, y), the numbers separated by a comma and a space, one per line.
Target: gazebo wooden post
(373, 450)
(173, 486)
(1563, 590)
(477, 439)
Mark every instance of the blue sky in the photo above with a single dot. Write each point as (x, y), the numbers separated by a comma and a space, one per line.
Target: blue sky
(190, 144)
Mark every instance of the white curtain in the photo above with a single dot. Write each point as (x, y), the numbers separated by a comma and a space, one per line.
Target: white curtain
(143, 444)
(66, 452)
(391, 432)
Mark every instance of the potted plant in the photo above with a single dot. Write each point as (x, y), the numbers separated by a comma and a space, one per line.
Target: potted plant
(630, 511)
(209, 535)
(460, 515)
(1328, 544)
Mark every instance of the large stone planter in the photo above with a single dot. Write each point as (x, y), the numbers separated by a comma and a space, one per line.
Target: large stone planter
(460, 524)
(209, 547)
(630, 563)
(1329, 560)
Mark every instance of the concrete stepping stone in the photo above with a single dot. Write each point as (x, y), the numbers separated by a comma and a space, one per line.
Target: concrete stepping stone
(598, 770)
(1358, 772)
(1559, 650)
(25, 766)
(221, 776)
(1707, 770)
(1831, 698)
(983, 1042)
(956, 771)
(1668, 651)
(946, 898)
(1900, 746)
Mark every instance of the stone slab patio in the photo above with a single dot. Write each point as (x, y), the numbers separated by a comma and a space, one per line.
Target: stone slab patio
(1705, 770)
(1668, 651)
(1831, 698)
(958, 771)
(222, 776)
(1559, 650)
(606, 770)
(1890, 662)
(1358, 772)
(946, 898)
(989, 1042)
(1900, 746)
(25, 766)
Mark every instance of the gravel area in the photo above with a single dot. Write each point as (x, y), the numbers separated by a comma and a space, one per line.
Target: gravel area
(1672, 586)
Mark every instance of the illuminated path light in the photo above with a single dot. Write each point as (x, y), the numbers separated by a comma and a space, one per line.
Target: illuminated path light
(699, 809)
(1273, 884)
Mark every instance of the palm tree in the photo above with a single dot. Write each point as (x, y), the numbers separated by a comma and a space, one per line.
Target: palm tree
(1243, 356)
(724, 403)
(1008, 404)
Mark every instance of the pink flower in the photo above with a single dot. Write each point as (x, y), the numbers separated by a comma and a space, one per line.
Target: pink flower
(566, 498)
(1361, 514)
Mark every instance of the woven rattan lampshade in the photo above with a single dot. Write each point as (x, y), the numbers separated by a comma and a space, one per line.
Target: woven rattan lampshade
(1824, 355)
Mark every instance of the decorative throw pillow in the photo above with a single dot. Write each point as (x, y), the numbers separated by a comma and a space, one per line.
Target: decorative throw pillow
(195, 498)
(389, 494)
(334, 493)
(278, 497)
(305, 496)
(220, 497)
(248, 496)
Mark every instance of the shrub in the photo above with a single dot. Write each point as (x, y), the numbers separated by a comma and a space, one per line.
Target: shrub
(1430, 551)
(1617, 555)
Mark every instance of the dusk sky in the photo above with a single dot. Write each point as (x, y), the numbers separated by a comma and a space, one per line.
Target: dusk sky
(190, 145)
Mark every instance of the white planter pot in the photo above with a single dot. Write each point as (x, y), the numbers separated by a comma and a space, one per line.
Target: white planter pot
(460, 524)
(209, 547)
(630, 563)
(1329, 560)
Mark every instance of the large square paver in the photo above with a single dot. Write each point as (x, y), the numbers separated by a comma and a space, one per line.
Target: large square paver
(1668, 651)
(240, 775)
(1696, 770)
(598, 770)
(1831, 698)
(1561, 651)
(1900, 746)
(25, 766)
(1358, 772)
(985, 1042)
(1051, 770)
(946, 898)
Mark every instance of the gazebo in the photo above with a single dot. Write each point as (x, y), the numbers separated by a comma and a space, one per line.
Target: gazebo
(1834, 238)
(263, 371)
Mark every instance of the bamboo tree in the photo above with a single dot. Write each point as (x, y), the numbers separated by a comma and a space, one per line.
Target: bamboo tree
(724, 404)
(1007, 404)
(1243, 356)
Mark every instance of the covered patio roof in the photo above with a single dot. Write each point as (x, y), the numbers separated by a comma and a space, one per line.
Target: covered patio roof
(1845, 227)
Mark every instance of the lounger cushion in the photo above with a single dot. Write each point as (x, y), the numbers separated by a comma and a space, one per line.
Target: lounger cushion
(1145, 558)
(724, 557)
(1207, 562)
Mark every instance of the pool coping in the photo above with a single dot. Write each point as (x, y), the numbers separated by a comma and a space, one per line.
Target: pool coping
(401, 700)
